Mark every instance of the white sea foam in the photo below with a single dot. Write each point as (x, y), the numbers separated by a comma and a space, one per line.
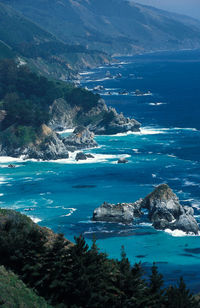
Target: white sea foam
(35, 219)
(179, 233)
(65, 131)
(8, 159)
(4, 180)
(135, 150)
(86, 73)
(71, 211)
(1, 195)
(102, 79)
(145, 131)
(98, 158)
(171, 155)
(190, 183)
(186, 128)
(145, 224)
(157, 104)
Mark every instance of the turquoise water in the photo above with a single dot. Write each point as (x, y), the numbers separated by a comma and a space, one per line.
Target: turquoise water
(63, 194)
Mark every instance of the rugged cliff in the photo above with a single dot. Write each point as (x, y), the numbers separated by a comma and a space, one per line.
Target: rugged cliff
(100, 119)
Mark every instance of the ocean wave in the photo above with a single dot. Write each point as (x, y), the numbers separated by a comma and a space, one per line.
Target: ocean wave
(86, 73)
(68, 130)
(157, 104)
(34, 219)
(101, 79)
(179, 233)
(4, 180)
(145, 224)
(71, 211)
(186, 128)
(190, 183)
(98, 158)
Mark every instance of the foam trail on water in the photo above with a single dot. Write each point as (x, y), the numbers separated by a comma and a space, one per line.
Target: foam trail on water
(71, 211)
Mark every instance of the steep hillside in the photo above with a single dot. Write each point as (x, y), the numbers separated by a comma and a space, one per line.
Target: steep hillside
(15, 294)
(115, 26)
(42, 50)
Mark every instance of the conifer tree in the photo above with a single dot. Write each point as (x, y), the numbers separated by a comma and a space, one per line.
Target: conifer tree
(180, 297)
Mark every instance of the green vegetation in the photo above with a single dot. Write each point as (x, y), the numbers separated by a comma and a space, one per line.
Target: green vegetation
(26, 99)
(20, 37)
(74, 275)
(15, 294)
(117, 27)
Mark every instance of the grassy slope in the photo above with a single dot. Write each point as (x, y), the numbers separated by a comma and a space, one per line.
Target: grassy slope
(15, 294)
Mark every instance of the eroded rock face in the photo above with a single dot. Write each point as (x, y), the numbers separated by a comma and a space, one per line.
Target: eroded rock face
(47, 146)
(81, 138)
(120, 212)
(101, 120)
(164, 211)
(112, 122)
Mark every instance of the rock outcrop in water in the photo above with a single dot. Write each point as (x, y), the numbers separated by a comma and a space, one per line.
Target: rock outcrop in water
(81, 138)
(110, 122)
(164, 211)
(100, 119)
(120, 212)
(50, 145)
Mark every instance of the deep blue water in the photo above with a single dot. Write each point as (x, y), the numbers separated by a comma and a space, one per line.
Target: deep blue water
(167, 150)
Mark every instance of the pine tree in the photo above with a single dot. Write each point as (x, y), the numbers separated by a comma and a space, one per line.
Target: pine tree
(155, 292)
(180, 297)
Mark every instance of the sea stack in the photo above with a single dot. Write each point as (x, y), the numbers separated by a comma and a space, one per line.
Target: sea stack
(164, 211)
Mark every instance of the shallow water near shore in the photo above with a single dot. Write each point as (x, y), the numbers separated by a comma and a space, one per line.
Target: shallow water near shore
(63, 194)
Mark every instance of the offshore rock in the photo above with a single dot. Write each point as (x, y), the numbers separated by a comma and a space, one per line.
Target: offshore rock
(117, 213)
(81, 138)
(165, 211)
(122, 161)
(81, 156)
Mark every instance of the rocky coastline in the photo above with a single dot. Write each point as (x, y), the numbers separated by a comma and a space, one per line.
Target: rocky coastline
(101, 119)
(50, 145)
(164, 211)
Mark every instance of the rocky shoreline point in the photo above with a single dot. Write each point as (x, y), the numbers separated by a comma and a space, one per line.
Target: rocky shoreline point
(164, 211)
(100, 119)
(51, 146)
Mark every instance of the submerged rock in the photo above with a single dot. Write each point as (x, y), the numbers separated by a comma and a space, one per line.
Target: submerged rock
(120, 212)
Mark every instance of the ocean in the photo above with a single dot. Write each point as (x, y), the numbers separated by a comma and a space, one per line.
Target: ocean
(63, 194)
